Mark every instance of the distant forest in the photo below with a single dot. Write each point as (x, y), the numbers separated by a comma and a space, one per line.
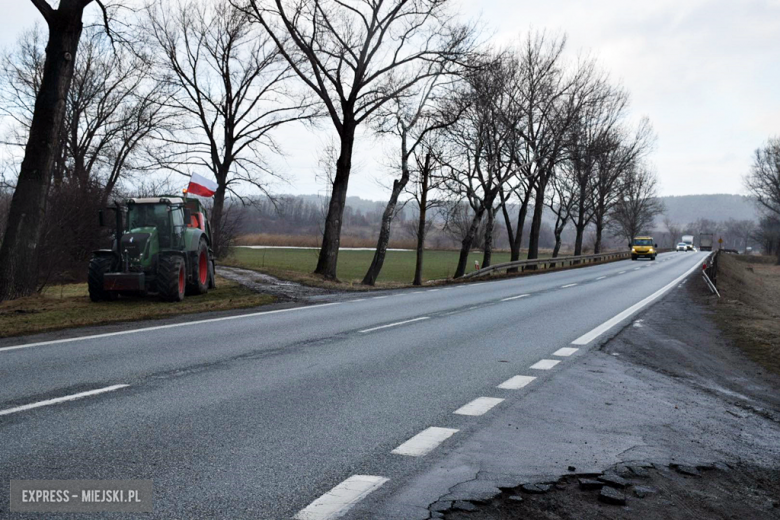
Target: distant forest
(281, 221)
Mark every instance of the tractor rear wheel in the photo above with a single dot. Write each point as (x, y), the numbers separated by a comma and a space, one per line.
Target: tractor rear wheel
(212, 274)
(200, 270)
(171, 278)
(98, 266)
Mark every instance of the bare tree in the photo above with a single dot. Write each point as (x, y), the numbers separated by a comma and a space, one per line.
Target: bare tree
(673, 232)
(411, 118)
(596, 159)
(112, 108)
(763, 181)
(622, 150)
(18, 265)
(230, 90)
(424, 185)
(356, 55)
(561, 203)
(768, 235)
(638, 204)
(552, 100)
(478, 160)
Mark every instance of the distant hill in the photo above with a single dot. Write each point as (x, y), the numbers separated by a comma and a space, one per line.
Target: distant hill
(686, 209)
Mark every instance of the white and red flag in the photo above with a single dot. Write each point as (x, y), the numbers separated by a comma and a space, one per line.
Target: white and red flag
(201, 186)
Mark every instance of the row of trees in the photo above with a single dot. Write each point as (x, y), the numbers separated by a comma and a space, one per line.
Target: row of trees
(763, 181)
(198, 84)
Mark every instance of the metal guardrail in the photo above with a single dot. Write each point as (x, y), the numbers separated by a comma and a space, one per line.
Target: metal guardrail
(550, 263)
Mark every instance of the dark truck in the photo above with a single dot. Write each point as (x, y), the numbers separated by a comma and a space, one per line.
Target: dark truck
(705, 242)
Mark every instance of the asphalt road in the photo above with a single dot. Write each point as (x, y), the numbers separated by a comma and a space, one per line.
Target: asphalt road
(258, 416)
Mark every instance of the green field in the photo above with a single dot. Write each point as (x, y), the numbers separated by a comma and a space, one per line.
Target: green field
(398, 266)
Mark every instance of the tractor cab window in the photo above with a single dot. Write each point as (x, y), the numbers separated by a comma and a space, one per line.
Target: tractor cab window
(643, 242)
(177, 219)
(148, 215)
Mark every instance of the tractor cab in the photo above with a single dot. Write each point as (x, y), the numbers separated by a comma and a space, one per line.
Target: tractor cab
(153, 224)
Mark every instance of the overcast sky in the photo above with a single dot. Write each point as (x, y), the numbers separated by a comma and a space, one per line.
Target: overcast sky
(706, 73)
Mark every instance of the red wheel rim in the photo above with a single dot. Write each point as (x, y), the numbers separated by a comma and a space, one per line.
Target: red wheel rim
(203, 268)
(181, 280)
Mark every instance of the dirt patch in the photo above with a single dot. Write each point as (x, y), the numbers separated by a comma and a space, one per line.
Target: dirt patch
(749, 308)
(652, 492)
(267, 284)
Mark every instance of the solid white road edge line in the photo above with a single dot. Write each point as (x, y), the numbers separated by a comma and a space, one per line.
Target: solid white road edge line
(162, 327)
(516, 383)
(515, 297)
(378, 297)
(604, 327)
(565, 352)
(425, 441)
(545, 364)
(64, 399)
(395, 324)
(478, 406)
(340, 499)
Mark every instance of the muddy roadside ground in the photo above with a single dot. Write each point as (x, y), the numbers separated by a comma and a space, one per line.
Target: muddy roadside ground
(724, 353)
(748, 311)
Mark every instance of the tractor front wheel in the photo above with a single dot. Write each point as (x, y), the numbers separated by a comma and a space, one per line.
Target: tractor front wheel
(171, 278)
(98, 266)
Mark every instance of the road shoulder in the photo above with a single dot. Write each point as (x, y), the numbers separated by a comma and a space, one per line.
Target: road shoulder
(667, 392)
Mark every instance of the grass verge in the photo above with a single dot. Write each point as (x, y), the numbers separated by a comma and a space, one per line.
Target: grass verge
(68, 306)
(749, 309)
(398, 269)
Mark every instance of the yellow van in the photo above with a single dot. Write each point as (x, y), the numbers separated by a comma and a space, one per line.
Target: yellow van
(643, 247)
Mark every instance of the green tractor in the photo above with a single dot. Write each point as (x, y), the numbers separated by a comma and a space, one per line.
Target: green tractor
(166, 250)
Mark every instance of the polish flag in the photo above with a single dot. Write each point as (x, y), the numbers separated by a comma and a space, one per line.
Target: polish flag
(201, 186)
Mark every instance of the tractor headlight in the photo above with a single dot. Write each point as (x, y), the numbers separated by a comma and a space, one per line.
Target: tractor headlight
(633, 250)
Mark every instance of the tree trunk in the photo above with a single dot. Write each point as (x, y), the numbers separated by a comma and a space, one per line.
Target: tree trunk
(217, 212)
(387, 218)
(515, 235)
(599, 233)
(384, 232)
(466, 243)
(599, 217)
(536, 222)
(557, 247)
(421, 224)
(488, 254)
(18, 253)
(329, 252)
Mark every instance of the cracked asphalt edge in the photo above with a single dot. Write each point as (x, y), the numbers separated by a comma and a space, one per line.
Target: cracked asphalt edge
(672, 392)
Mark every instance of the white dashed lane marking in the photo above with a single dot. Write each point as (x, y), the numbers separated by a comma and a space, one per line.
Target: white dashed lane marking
(425, 441)
(567, 286)
(395, 324)
(340, 499)
(516, 383)
(478, 406)
(565, 352)
(545, 364)
(597, 279)
(604, 327)
(515, 297)
(59, 400)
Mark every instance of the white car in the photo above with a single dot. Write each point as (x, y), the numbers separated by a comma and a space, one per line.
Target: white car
(682, 246)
